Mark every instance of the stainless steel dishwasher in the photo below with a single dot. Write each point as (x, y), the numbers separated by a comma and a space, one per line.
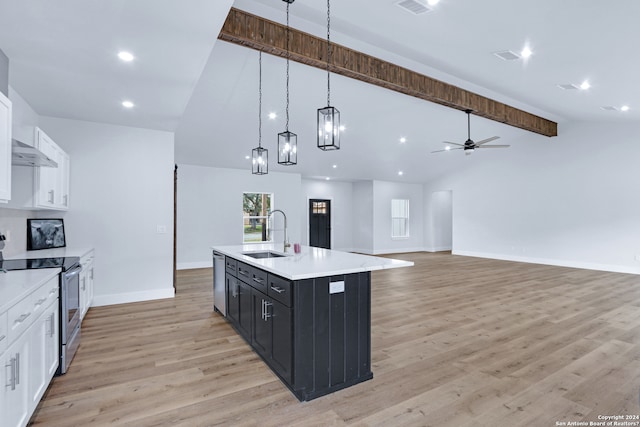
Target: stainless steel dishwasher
(219, 300)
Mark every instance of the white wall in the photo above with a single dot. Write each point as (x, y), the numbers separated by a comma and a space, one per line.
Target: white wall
(121, 189)
(341, 196)
(570, 200)
(210, 208)
(363, 217)
(383, 193)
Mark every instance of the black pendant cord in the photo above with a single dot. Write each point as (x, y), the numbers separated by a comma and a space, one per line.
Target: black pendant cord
(288, 56)
(260, 100)
(328, 52)
(468, 125)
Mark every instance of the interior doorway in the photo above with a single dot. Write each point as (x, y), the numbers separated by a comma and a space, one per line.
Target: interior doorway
(442, 214)
(320, 223)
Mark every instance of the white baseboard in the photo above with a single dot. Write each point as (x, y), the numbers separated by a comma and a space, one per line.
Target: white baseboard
(362, 251)
(101, 300)
(191, 265)
(397, 251)
(438, 249)
(556, 262)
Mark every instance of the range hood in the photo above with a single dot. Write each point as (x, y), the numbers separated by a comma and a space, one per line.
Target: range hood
(25, 155)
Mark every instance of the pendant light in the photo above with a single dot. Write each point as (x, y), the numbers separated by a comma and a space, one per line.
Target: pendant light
(259, 155)
(328, 117)
(287, 141)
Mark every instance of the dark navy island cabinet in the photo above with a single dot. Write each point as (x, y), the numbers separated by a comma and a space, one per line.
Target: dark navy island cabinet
(315, 334)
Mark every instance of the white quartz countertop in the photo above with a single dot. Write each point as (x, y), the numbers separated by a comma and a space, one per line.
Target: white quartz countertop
(51, 253)
(15, 285)
(310, 262)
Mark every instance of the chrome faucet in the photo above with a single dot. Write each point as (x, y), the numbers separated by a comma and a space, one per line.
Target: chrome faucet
(287, 245)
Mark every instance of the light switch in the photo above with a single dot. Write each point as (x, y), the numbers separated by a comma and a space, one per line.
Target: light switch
(161, 229)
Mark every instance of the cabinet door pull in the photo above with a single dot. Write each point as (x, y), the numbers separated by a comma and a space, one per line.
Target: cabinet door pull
(16, 376)
(22, 318)
(2, 337)
(244, 273)
(12, 379)
(53, 291)
(51, 196)
(267, 315)
(40, 301)
(278, 289)
(257, 279)
(66, 200)
(262, 314)
(84, 283)
(53, 325)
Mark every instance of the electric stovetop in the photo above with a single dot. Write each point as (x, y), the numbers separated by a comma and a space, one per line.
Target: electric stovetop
(65, 263)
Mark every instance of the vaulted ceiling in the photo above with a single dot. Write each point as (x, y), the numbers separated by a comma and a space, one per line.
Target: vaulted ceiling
(63, 62)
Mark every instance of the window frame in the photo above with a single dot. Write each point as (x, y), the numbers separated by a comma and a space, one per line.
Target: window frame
(263, 219)
(405, 218)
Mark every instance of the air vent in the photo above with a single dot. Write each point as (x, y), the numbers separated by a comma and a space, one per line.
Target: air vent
(568, 86)
(507, 55)
(416, 7)
(609, 108)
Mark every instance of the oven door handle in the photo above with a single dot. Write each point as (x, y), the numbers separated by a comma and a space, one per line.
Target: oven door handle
(73, 272)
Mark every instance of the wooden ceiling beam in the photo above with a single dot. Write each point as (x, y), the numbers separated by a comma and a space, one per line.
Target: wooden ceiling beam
(261, 34)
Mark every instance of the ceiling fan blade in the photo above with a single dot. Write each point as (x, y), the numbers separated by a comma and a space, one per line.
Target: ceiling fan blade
(493, 146)
(484, 141)
(450, 149)
(453, 143)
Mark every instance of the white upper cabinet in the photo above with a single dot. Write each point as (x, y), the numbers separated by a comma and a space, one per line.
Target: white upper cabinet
(51, 185)
(5, 149)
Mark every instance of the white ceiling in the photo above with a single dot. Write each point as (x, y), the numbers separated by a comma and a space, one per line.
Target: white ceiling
(62, 57)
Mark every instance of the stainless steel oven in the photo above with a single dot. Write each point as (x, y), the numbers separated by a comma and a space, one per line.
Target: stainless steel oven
(69, 300)
(69, 316)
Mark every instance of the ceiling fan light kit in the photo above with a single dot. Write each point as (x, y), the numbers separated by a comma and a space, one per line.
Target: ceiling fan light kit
(469, 145)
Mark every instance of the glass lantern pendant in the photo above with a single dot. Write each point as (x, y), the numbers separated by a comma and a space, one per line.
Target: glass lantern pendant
(287, 141)
(259, 155)
(328, 117)
(260, 161)
(328, 128)
(287, 148)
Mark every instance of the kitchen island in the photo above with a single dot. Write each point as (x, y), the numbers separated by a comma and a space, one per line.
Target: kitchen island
(308, 315)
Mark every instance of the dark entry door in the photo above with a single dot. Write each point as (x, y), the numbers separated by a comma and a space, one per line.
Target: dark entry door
(320, 223)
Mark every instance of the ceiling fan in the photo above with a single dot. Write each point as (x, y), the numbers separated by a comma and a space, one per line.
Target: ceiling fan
(469, 146)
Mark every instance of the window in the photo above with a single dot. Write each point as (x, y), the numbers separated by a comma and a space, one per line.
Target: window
(255, 208)
(399, 218)
(319, 208)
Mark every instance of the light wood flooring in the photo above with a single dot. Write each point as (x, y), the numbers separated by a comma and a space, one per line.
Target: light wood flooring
(456, 341)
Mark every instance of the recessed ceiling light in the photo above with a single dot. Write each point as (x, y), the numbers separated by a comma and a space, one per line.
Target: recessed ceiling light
(247, 157)
(447, 148)
(126, 56)
(432, 2)
(272, 116)
(327, 178)
(127, 104)
(342, 128)
(403, 140)
(585, 85)
(526, 52)
(400, 173)
(335, 166)
(624, 108)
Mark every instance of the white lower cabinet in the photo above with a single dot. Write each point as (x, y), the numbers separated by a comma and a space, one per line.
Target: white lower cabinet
(86, 283)
(31, 359)
(16, 391)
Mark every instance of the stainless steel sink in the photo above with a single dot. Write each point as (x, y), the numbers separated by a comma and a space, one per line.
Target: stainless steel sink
(263, 254)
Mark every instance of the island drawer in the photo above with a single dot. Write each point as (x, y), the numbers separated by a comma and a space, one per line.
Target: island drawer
(244, 271)
(231, 265)
(280, 289)
(259, 279)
